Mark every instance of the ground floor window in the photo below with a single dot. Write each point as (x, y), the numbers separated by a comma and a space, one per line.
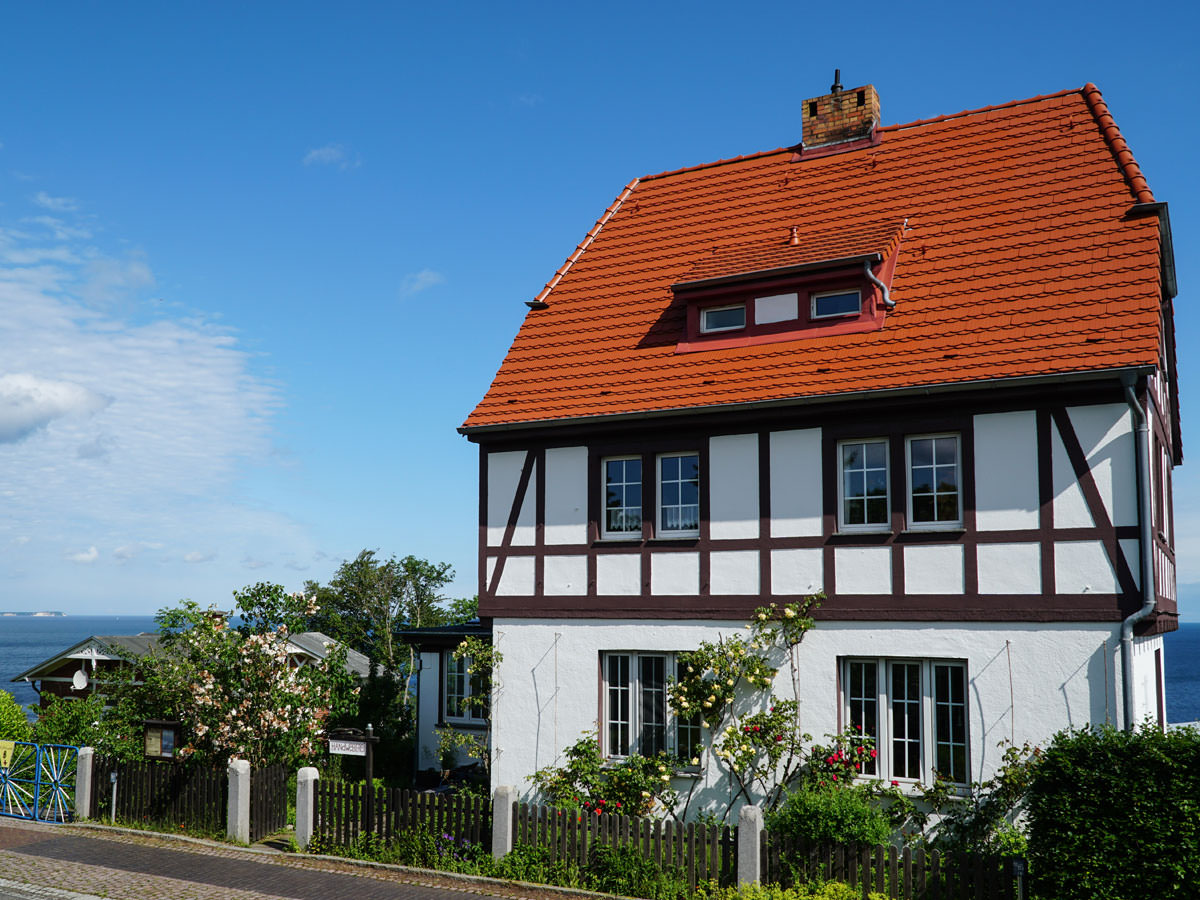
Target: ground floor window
(637, 718)
(460, 689)
(916, 713)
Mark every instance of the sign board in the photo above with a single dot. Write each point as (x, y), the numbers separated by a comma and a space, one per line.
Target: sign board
(347, 748)
(6, 753)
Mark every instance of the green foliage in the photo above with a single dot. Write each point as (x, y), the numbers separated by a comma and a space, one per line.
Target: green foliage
(482, 658)
(634, 786)
(1114, 814)
(831, 890)
(832, 814)
(625, 872)
(86, 722)
(13, 724)
(537, 865)
(984, 822)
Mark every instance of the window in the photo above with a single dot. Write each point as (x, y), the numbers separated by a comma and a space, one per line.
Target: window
(461, 687)
(636, 716)
(864, 504)
(679, 495)
(935, 499)
(622, 497)
(836, 303)
(723, 318)
(916, 712)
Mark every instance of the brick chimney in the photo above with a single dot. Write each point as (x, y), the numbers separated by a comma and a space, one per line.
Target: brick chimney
(840, 115)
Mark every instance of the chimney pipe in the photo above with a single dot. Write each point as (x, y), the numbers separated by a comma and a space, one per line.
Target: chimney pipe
(836, 87)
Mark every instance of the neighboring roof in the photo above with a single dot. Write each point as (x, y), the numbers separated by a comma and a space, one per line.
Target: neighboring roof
(123, 646)
(1020, 259)
(443, 637)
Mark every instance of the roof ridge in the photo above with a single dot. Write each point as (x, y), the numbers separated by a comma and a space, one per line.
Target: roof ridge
(983, 109)
(1116, 143)
(583, 245)
(718, 162)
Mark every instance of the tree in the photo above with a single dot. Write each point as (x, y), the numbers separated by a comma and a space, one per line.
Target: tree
(13, 724)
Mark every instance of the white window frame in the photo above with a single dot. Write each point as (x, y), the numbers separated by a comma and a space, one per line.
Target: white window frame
(704, 329)
(945, 525)
(633, 534)
(673, 725)
(659, 529)
(931, 735)
(474, 715)
(813, 298)
(868, 527)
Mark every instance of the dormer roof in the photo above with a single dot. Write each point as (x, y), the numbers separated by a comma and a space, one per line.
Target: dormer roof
(1017, 242)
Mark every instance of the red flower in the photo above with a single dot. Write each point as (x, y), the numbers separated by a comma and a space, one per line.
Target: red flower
(834, 777)
(873, 754)
(779, 737)
(829, 760)
(895, 783)
(756, 728)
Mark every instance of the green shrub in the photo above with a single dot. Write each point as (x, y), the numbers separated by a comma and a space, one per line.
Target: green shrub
(830, 890)
(624, 871)
(531, 863)
(1116, 815)
(832, 815)
(13, 724)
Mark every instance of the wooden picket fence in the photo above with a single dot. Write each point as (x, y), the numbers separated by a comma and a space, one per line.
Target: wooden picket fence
(268, 800)
(161, 793)
(906, 874)
(702, 852)
(341, 814)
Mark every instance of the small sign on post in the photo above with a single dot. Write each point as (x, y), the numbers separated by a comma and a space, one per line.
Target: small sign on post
(353, 742)
(6, 753)
(340, 747)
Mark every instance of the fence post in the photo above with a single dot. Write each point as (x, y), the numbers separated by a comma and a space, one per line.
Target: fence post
(83, 783)
(306, 790)
(750, 826)
(237, 821)
(502, 820)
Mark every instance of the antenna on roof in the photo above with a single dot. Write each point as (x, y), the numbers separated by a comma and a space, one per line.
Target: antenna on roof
(837, 81)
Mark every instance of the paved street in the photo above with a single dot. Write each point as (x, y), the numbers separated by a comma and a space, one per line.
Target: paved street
(48, 862)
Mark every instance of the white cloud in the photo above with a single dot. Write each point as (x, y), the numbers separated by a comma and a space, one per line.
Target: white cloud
(86, 557)
(251, 563)
(28, 403)
(55, 204)
(197, 557)
(60, 229)
(332, 155)
(415, 282)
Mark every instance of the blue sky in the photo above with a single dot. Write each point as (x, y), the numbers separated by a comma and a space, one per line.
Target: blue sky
(258, 261)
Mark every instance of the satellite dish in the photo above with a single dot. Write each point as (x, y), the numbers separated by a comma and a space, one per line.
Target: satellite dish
(79, 680)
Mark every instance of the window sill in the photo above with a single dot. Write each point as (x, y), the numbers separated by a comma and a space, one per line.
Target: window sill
(694, 773)
(474, 724)
(956, 528)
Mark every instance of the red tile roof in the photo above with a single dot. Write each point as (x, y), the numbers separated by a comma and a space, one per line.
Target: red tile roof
(1018, 260)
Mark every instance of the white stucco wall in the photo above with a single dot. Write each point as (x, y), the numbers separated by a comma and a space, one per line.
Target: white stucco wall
(733, 486)
(1006, 471)
(1056, 676)
(796, 483)
(566, 495)
(427, 712)
(1145, 679)
(504, 476)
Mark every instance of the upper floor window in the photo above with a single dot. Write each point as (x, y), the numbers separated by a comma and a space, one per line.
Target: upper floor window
(935, 495)
(915, 711)
(836, 303)
(678, 495)
(722, 318)
(864, 504)
(636, 716)
(462, 690)
(622, 497)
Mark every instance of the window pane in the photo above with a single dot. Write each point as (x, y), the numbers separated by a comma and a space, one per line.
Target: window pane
(623, 495)
(922, 479)
(670, 493)
(618, 705)
(852, 456)
(946, 451)
(670, 468)
(864, 704)
(855, 512)
(841, 304)
(653, 705)
(947, 507)
(876, 482)
(877, 454)
(950, 721)
(923, 509)
(679, 493)
(716, 319)
(877, 512)
(864, 474)
(922, 452)
(946, 478)
(906, 720)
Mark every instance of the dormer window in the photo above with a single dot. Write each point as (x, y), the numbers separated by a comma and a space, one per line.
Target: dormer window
(835, 304)
(722, 318)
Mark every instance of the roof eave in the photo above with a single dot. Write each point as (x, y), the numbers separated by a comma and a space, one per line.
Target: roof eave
(779, 272)
(817, 400)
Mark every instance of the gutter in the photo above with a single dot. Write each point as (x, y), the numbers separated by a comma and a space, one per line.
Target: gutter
(888, 302)
(1145, 515)
(818, 400)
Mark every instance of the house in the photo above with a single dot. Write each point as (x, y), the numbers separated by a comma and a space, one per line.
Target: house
(81, 669)
(928, 369)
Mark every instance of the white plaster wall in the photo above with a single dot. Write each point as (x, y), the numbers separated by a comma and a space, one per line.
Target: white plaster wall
(796, 483)
(1106, 434)
(1145, 679)
(1131, 549)
(733, 572)
(936, 569)
(1070, 507)
(1009, 568)
(675, 573)
(517, 578)
(1006, 471)
(1083, 567)
(566, 495)
(863, 570)
(733, 486)
(428, 697)
(798, 571)
(504, 475)
(776, 308)
(618, 574)
(1056, 676)
(565, 576)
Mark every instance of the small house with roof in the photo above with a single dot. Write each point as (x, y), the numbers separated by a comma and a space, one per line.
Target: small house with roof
(927, 369)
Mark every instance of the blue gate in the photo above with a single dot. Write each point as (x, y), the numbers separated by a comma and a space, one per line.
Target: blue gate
(37, 781)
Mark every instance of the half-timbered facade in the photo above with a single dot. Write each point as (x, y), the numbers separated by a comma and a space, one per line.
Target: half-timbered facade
(925, 369)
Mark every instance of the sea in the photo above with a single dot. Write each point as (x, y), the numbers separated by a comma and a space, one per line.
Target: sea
(26, 641)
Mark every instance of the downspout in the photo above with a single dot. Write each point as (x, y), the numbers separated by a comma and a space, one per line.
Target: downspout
(888, 302)
(1145, 514)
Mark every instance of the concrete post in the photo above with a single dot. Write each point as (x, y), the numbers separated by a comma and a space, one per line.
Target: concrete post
(750, 826)
(237, 821)
(306, 793)
(83, 783)
(502, 820)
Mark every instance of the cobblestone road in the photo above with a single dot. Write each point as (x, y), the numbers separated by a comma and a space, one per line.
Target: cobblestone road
(138, 866)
